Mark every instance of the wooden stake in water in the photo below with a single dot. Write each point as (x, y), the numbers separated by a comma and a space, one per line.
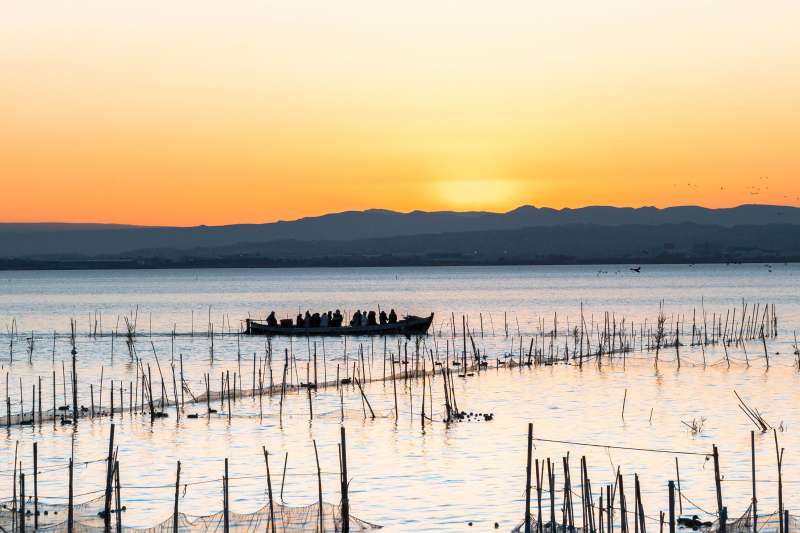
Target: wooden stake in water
(528, 481)
(319, 488)
(118, 497)
(715, 453)
(35, 486)
(225, 510)
(671, 507)
(109, 478)
(70, 514)
(177, 493)
(753, 469)
(345, 509)
(269, 492)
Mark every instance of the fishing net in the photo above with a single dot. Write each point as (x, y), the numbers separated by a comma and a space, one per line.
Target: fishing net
(547, 527)
(88, 518)
(769, 523)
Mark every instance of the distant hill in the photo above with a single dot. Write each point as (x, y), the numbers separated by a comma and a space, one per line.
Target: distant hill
(54, 241)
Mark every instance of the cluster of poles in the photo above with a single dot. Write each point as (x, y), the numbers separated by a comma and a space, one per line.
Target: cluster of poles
(23, 516)
(599, 515)
(560, 342)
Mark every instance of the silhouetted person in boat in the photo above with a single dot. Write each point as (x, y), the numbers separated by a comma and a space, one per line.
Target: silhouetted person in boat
(392, 317)
(383, 318)
(307, 320)
(336, 320)
(325, 320)
(371, 319)
(315, 320)
(356, 320)
(271, 320)
(299, 320)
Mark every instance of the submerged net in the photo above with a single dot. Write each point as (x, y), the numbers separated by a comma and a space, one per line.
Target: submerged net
(88, 518)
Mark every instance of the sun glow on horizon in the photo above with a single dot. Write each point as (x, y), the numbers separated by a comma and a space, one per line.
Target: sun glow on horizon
(478, 194)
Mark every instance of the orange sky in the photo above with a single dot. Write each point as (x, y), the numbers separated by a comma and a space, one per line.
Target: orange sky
(208, 112)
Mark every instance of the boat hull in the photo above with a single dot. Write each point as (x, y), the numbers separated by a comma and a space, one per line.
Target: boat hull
(412, 325)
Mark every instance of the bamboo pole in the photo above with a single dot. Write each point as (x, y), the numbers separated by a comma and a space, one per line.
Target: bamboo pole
(269, 492)
(528, 480)
(225, 510)
(319, 489)
(345, 511)
(753, 471)
(109, 478)
(35, 486)
(671, 507)
(177, 495)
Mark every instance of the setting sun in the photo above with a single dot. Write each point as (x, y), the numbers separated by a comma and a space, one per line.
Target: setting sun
(486, 194)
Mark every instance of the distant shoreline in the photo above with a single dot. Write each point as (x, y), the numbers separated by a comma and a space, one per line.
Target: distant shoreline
(362, 262)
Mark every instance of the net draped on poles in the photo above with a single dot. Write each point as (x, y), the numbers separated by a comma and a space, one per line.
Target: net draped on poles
(88, 518)
(767, 523)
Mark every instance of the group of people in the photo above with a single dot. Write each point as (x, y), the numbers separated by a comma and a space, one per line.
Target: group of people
(369, 318)
(333, 319)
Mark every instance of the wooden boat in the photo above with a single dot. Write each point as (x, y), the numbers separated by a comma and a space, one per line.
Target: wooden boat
(410, 325)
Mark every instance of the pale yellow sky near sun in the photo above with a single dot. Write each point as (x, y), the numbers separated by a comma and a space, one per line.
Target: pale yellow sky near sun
(208, 112)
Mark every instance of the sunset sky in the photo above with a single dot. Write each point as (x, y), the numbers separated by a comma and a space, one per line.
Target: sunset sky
(211, 112)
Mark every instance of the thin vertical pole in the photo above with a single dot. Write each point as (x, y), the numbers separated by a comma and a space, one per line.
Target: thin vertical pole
(225, 498)
(671, 507)
(109, 480)
(118, 497)
(269, 491)
(528, 481)
(177, 493)
(345, 511)
(70, 514)
(36, 483)
(319, 488)
(753, 471)
(717, 481)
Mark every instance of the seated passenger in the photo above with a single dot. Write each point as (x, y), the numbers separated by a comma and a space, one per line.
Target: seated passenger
(356, 320)
(324, 320)
(383, 318)
(337, 319)
(315, 320)
(299, 320)
(271, 320)
(392, 317)
(371, 319)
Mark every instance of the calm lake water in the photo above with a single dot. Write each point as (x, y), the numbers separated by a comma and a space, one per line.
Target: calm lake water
(404, 476)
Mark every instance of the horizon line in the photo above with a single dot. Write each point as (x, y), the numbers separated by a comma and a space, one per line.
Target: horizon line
(393, 211)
